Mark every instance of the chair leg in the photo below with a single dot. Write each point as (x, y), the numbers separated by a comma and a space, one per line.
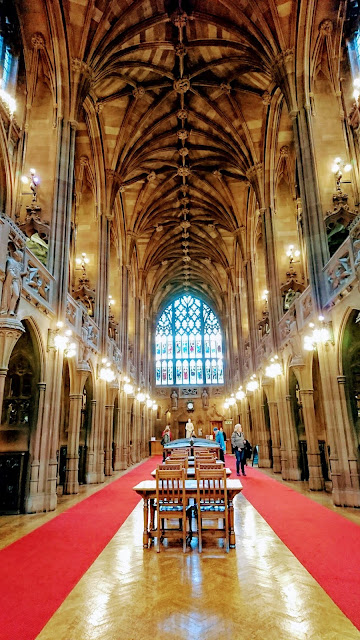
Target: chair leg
(158, 531)
(199, 530)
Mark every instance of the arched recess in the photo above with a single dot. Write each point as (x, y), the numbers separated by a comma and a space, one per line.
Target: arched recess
(18, 421)
(85, 428)
(63, 424)
(299, 425)
(265, 409)
(351, 370)
(320, 421)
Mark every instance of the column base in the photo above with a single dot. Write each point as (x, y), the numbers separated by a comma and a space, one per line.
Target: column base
(37, 503)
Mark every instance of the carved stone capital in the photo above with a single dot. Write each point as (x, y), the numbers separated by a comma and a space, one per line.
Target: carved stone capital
(38, 40)
(326, 27)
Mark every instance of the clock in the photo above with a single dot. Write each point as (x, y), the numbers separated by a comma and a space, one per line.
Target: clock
(190, 405)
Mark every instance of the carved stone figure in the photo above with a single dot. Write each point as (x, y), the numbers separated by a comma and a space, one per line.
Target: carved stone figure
(13, 283)
(205, 399)
(174, 400)
(289, 298)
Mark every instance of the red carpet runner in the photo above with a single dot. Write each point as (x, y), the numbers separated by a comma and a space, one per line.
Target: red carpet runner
(326, 543)
(38, 571)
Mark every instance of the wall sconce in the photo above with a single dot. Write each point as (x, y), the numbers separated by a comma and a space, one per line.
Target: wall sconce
(240, 395)
(253, 384)
(154, 406)
(226, 405)
(33, 181)
(62, 341)
(265, 296)
(128, 388)
(293, 253)
(319, 335)
(338, 167)
(140, 396)
(82, 262)
(274, 369)
(149, 403)
(111, 301)
(106, 373)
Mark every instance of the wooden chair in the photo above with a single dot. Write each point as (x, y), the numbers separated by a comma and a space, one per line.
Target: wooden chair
(178, 460)
(212, 503)
(213, 465)
(170, 503)
(204, 459)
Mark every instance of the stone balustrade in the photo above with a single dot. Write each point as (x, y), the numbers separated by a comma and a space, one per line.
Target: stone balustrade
(81, 324)
(37, 280)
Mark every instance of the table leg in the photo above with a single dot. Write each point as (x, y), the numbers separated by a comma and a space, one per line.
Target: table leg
(146, 520)
(231, 525)
(152, 521)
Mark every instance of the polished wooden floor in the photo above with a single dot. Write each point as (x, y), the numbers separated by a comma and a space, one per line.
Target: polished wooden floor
(257, 592)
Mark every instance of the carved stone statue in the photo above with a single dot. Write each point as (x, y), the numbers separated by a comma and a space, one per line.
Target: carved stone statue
(13, 283)
(174, 400)
(289, 298)
(205, 399)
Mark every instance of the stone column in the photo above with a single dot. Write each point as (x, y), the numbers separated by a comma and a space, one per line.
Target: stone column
(275, 435)
(35, 499)
(274, 303)
(117, 440)
(90, 458)
(316, 482)
(109, 418)
(72, 457)
(264, 448)
(136, 442)
(289, 446)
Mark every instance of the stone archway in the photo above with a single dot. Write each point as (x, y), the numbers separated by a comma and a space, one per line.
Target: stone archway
(18, 422)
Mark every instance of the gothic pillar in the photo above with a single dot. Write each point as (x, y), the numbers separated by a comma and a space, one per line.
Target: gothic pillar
(90, 458)
(274, 302)
(117, 440)
(275, 435)
(35, 499)
(109, 421)
(316, 482)
(72, 457)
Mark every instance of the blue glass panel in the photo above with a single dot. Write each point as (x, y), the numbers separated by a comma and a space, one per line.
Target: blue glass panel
(199, 371)
(164, 372)
(213, 372)
(178, 372)
(185, 372)
(158, 372)
(207, 372)
(192, 372)
(220, 372)
(198, 347)
(191, 345)
(170, 372)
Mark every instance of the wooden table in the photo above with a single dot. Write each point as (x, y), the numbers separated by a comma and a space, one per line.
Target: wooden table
(191, 472)
(147, 490)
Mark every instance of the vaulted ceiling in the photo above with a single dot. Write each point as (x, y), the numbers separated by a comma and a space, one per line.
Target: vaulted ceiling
(180, 92)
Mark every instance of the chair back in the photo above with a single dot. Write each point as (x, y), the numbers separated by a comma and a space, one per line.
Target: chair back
(204, 459)
(170, 466)
(211, 486)
(170, 486)
(177, 459)
(203, 466)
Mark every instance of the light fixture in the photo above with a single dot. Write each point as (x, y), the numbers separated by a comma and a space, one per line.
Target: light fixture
(140, 396)
(231, 401)
(106, 374)
(338, 167)
(292, 253)
(318, 336)
(149, 403)
(33, 181)
(111, 301)
(154, 406)
(252, 385)
(240, 395)
(273, 370)
(128, 388)
(62, 340)
(265, 295)
(226, 405)
(356, 85)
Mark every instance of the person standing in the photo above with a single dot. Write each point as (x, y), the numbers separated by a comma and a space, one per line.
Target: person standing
(219, 437)
(166, 437)
(238, 444)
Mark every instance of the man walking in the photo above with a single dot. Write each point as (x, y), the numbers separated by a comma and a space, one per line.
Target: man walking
(238, 444)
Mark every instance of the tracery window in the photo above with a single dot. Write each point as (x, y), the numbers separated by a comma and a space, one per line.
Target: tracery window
(188, 344)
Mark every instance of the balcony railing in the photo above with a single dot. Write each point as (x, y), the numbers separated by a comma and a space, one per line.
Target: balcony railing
(37, 281)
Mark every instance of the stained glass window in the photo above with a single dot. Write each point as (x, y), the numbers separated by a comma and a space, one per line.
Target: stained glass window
(188, 344)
